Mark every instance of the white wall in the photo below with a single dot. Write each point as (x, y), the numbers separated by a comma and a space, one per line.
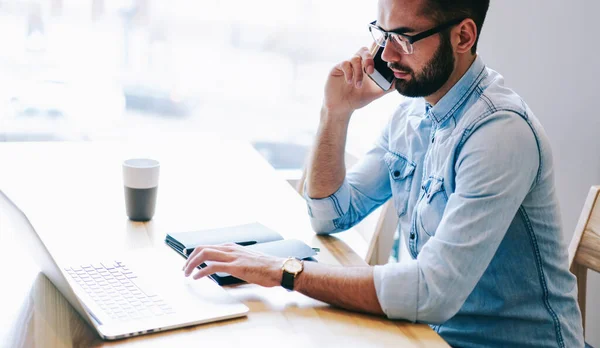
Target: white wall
(548, 52)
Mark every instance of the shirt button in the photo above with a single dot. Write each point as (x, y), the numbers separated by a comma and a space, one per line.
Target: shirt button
(396, 174)
(412, 235)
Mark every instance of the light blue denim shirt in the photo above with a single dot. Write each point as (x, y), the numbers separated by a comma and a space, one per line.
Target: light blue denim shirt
(472, 181)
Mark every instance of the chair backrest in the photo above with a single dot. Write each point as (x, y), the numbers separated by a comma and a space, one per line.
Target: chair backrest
(584, 250)
(381, 241)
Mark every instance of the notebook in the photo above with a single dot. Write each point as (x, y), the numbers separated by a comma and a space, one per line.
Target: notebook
(254, 236)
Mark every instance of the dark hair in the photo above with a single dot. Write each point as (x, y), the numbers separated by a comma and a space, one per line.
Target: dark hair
(445, 10)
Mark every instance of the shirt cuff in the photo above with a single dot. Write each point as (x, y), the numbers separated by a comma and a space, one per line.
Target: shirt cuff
(397, 288)
(329, 208)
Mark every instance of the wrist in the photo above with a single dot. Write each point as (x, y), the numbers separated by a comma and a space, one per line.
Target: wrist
(291, 268)
(335, 115)
(276, 272)
(300, 278)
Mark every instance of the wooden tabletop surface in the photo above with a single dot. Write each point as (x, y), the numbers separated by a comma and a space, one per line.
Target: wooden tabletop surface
(73, 194)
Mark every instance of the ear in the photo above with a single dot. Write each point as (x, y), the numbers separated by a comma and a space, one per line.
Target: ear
(464, 36)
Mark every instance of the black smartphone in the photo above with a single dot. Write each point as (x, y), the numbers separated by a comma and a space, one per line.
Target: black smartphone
(382, 76)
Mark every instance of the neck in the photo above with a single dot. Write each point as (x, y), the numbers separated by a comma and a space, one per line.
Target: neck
(461, 68)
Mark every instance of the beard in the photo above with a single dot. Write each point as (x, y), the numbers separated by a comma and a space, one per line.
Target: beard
(435, 74)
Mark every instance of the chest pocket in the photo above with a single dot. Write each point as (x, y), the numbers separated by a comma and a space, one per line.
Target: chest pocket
(401, 174)
(432, 205)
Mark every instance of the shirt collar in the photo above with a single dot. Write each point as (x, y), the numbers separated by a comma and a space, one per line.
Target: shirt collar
(457, 95)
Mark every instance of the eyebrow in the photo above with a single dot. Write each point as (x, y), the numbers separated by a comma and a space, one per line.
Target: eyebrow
(402, 30)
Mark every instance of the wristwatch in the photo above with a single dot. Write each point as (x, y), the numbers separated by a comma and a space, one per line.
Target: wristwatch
(291, 267)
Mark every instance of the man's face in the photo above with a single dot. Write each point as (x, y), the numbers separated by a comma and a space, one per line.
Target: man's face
(426, 70)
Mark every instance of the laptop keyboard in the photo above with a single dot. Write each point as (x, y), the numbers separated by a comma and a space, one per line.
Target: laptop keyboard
(118, 291)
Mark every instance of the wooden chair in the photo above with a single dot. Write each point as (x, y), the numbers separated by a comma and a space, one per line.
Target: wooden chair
(377, 229)
(584, 251)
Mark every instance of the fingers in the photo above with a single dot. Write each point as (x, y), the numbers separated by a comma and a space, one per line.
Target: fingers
(206, 254)
(346, 68)
(212, 268)
(367, 64)
(354, 68)
(222, 247)
(367, 60)
(357, 70)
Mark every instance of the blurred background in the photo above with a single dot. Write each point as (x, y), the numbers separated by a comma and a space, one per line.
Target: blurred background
(255, 70)
(104, 69)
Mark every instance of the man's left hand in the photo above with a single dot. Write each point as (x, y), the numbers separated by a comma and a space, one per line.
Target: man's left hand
(236, 260)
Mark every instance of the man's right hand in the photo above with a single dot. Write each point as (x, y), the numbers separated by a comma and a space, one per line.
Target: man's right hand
(348, 87)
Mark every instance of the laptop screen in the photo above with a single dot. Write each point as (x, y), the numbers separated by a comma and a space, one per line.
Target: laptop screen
(11, 214)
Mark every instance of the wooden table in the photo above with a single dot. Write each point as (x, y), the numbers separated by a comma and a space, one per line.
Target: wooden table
(73, 194)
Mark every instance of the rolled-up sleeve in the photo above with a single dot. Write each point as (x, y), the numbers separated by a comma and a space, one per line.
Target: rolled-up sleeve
(366, 187)
(331, 207)
(495, 169)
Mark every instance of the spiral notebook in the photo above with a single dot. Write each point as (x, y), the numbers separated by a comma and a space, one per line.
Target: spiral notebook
(254, 236)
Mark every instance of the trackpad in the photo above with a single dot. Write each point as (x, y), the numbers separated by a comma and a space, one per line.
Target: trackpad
(207, 290)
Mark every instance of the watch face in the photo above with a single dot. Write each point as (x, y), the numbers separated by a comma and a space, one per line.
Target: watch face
(292, 266)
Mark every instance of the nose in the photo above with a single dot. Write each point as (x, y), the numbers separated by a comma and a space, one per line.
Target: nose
(390, 54)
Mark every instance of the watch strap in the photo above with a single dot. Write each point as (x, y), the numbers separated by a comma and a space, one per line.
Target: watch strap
(287, 280)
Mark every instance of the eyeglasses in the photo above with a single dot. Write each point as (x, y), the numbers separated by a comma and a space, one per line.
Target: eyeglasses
(402, 42)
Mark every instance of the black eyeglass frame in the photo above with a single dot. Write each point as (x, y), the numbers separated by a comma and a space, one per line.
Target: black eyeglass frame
(417, 37)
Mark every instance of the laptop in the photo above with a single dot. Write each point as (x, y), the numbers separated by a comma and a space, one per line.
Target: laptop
(132, 295)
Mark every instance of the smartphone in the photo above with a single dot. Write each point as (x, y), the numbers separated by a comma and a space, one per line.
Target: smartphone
(382, 76)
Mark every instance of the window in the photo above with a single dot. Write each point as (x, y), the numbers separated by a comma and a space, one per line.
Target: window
(96, 69)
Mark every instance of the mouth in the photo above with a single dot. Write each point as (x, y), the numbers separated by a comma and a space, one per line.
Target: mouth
(400, 74)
